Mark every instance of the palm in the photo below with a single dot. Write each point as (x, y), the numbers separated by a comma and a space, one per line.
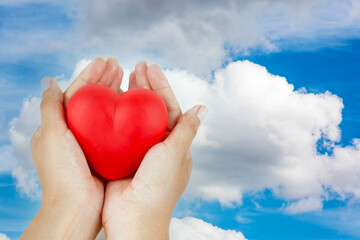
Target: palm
(82, 180)
(146, 189)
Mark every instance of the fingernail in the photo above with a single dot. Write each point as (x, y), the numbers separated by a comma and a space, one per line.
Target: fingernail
(202, 113)
(45, 84)
(102, 57)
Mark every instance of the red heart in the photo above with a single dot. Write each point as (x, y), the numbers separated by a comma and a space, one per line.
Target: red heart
(115, 131)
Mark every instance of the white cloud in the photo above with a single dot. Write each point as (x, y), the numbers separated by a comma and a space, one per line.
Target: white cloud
(27, 182)
(192, 228)
(194, 35)
(199, 35)
(305, 205)
(4, 237)
(21, 130)
(260, 134)
(343, 176)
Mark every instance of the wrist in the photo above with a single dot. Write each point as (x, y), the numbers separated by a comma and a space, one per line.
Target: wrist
(61, 221)
(137, 225)
(72, 222)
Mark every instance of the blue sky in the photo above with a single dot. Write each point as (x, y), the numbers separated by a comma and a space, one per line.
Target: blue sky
(320, 53)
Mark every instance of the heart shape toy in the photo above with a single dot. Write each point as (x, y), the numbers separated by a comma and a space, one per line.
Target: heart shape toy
(115, 131)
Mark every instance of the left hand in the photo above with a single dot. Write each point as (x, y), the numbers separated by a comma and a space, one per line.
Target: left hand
(72, 195)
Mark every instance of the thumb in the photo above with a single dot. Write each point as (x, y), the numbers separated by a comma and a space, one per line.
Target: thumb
(183, 134)
(52, 110)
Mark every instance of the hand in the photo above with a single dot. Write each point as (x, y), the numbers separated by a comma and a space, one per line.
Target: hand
(140, 206)
(72, 196)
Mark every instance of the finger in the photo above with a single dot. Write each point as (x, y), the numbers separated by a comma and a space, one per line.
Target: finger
(111, 70)
(132, 81)
(89, 75)
(141, 75)
(116, 82)
(181, 137)
(161, 86)
(52, 110)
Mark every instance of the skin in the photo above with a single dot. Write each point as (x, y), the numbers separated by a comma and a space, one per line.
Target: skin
(76, 202)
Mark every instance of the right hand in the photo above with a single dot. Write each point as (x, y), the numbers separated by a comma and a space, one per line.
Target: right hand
(141, 206)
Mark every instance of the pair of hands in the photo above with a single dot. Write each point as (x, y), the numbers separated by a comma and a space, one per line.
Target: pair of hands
(76, 202)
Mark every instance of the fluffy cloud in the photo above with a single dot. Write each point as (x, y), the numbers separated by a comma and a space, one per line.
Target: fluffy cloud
(199, 35)
(343, 176)
(21, 130)
(194, 35)
(193, 228)
(261, 133)
(4, 237)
